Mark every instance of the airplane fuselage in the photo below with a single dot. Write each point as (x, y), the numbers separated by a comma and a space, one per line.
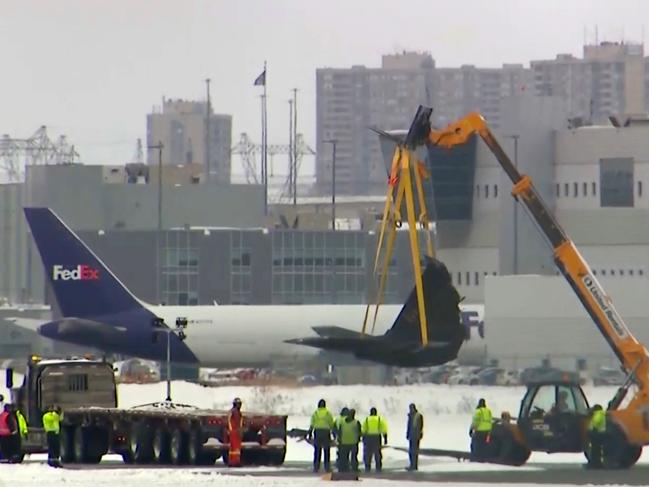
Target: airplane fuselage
(254, 335)
(231, 335)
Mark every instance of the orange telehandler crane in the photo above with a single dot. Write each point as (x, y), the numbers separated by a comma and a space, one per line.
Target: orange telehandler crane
(628, 424)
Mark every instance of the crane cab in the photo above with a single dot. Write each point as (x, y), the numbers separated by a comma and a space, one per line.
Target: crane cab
(554, 414)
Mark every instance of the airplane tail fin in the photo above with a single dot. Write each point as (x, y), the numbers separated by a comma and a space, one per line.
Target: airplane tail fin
(443, 318)
(82, 284)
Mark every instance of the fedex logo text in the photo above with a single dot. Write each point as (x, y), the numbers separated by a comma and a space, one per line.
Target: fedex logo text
(79, 273)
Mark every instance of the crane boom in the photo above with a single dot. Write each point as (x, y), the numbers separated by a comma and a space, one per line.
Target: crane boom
(634, 419)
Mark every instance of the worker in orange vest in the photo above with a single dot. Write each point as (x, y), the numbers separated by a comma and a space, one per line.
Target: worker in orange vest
(8, 430)
(235, 430)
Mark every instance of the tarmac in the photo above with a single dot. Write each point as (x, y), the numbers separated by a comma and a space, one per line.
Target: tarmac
(543, 473)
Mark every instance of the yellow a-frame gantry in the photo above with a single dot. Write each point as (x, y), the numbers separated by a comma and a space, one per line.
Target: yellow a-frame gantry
(406, 171)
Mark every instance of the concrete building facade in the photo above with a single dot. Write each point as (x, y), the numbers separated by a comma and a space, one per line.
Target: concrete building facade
(94, 198)
(610, 79)
(182, 127)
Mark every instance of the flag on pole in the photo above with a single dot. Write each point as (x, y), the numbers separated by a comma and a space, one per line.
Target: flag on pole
(261, 79)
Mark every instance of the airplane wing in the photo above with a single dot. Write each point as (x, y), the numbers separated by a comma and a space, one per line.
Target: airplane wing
(336, 331)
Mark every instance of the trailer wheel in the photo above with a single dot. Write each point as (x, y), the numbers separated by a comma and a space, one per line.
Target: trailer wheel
(67, 444)
(209, 458)
(161, 446)
(275, 457)
(194, 447)
(89, 444)
(139, 444)
(178, 447)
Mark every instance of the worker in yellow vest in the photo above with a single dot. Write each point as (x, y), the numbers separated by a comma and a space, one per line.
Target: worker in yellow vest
(373, 428)
(349, 436)
(336, 431)
(322, 424)
(596, 437)
(52, 427)
(22, 432)
(480, 431)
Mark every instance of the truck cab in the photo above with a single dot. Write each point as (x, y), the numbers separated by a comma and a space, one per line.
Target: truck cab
(67, 383)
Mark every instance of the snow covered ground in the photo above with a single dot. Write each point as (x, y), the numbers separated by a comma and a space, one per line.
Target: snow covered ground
(447, 411)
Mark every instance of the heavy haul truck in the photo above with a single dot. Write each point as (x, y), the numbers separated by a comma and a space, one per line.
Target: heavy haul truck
(164, 432)
(537, 428)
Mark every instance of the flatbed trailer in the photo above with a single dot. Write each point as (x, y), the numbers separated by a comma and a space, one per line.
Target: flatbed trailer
(92, 425)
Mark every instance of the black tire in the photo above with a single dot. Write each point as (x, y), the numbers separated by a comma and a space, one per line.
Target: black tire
(88, 445)
(139, 448)
(253, 457)
(178, 447)
(161, 446)
(618, 452)
(67, 444)
(80, 445)
(209, 458)
(275, 457)
(194, 447)
(518, 455)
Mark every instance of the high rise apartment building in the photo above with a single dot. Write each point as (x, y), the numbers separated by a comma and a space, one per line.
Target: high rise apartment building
(349, 101)
(182, 127)
(610, 79)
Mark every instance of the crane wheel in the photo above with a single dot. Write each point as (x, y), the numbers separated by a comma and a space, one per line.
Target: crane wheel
(618, 452)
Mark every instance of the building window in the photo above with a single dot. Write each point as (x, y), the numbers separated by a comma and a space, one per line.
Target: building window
(630, 272)
(640, 272)
(318, 267)
(566, 189)
(639, 188)
(621, 272)
(468, 278)
(593, 189)
(180, 269)
(459, 278)
(585, 189)
(612, 272)
(495, 191)
(594, 272)
(616, 182)
(575, 189)
(486, 191)
(476, 278)
(558, 187)
(477, 190)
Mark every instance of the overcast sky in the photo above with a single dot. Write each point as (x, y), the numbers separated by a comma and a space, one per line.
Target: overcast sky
(93, 69)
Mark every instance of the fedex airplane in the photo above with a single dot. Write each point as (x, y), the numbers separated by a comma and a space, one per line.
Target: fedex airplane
(98, 311)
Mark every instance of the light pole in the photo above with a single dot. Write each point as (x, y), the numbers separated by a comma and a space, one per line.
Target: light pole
(181, 325)
(159, 147)
(333, 143)
(515, 137)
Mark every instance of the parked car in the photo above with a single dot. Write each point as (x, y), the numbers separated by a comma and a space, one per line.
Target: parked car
(607, 376)
(441, 374)
(531, 374)
(496, 376)
(465, 376)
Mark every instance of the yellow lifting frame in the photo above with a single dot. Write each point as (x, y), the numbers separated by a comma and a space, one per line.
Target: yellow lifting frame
(406, 169)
